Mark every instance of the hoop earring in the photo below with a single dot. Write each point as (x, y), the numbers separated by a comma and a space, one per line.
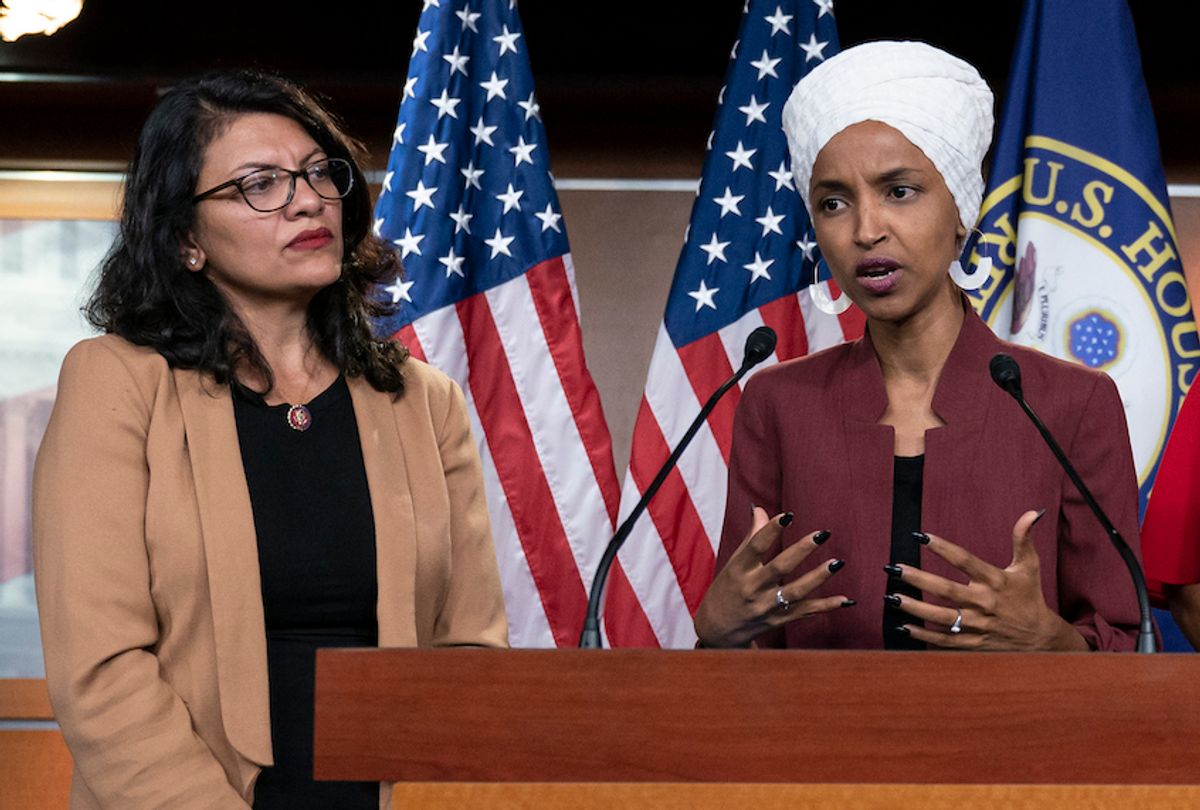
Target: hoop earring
(821, 299)
(969, 282)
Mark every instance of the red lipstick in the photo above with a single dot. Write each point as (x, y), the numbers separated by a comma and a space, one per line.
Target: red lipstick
(311, 239)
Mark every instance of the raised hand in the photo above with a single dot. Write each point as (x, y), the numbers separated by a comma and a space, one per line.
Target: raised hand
(750, 595)
(997, 609)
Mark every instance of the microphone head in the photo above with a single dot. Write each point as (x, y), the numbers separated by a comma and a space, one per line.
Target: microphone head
(759, 346)
(1006, 374)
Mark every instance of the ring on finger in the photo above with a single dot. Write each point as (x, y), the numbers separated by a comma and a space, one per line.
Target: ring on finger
(957, 627)
(780, 602)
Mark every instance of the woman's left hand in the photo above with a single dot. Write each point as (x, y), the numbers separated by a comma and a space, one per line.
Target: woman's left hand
(1001, 609)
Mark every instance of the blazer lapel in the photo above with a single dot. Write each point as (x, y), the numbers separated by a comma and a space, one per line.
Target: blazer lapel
(231, 554)
(391, 502)
(869, 445)
(953, 451)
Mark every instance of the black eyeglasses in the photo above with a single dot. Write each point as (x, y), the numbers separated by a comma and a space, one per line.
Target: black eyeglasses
(271, 189)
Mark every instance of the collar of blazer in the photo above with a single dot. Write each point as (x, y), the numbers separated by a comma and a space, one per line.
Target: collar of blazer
(962, 390)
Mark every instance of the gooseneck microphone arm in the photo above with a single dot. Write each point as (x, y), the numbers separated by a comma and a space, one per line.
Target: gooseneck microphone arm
(759, 346)
(1007, 374)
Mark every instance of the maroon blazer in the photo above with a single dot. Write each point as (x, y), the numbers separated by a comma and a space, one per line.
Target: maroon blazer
(807, 438)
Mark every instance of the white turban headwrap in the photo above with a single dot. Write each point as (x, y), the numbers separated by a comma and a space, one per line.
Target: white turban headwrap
(937, 101)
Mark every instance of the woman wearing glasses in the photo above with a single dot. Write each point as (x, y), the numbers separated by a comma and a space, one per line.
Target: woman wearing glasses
(237, 473)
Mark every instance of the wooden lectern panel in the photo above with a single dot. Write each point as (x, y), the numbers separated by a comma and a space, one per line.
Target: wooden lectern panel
(767, 716)
(24, 699)
(35, 766)
(695, 796)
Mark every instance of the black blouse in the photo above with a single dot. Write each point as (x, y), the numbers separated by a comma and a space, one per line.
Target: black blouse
(316, 556)
(906, 519)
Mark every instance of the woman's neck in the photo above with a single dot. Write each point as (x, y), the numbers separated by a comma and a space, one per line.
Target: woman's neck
(286, 344)
(916, 349)
(912, 355)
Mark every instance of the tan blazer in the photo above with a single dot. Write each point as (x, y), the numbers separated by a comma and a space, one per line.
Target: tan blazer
(147, 574)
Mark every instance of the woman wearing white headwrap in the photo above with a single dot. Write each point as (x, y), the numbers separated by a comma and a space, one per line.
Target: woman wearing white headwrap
(948, 522)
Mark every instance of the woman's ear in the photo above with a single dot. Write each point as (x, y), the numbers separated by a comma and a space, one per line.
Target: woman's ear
(191, 254)
(960, 237)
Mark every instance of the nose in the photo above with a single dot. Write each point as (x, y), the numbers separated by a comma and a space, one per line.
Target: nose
(869, 225)
(305, 201)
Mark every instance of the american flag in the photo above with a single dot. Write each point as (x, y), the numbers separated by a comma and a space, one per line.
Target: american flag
(747, 257)
(488, 296)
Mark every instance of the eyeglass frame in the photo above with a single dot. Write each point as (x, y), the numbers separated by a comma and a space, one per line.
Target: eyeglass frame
(292, 175)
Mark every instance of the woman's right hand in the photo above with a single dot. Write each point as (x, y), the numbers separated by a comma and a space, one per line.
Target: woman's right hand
(750, 596)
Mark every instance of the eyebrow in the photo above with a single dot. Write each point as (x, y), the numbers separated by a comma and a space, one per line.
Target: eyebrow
(894, 175)
(830, 185)
(890, 176)
(256, 165)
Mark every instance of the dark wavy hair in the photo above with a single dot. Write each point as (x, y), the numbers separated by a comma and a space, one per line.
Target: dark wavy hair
(147, 295)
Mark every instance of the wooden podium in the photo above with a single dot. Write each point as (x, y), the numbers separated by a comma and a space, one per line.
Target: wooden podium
(713, 728)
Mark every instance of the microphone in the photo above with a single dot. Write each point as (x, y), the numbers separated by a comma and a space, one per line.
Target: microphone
(1006, 373)
(759, 346)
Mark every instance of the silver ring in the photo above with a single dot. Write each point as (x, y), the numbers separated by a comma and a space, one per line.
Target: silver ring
(957, 627)
(780, 602)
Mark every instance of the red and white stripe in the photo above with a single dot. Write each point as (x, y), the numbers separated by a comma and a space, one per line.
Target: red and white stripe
(668, 558)
(547, 455)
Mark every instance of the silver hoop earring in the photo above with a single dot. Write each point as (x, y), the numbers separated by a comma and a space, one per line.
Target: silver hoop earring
(968, 282)
(821, 299)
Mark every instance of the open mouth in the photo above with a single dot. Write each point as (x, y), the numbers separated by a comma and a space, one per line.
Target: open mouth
(876, 266)
(878, 275)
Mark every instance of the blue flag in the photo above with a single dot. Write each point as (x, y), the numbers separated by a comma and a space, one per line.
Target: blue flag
(1077, 222)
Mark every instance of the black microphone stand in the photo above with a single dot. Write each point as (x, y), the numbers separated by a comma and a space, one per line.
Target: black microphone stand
(1008, 377)
(759, 346)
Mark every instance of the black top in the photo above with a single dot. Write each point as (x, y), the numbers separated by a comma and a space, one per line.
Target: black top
(316, 556)
(906, 519)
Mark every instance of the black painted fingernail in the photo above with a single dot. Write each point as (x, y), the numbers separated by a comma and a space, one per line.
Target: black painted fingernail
(848, 603)
(787, 519)
(902, 629)
(921, 538)
(894, 571)
(1039, 517)
(836, 566)
(891, 599)
(820, 537)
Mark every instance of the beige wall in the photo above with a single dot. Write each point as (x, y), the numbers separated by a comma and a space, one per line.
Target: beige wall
(625, 245)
